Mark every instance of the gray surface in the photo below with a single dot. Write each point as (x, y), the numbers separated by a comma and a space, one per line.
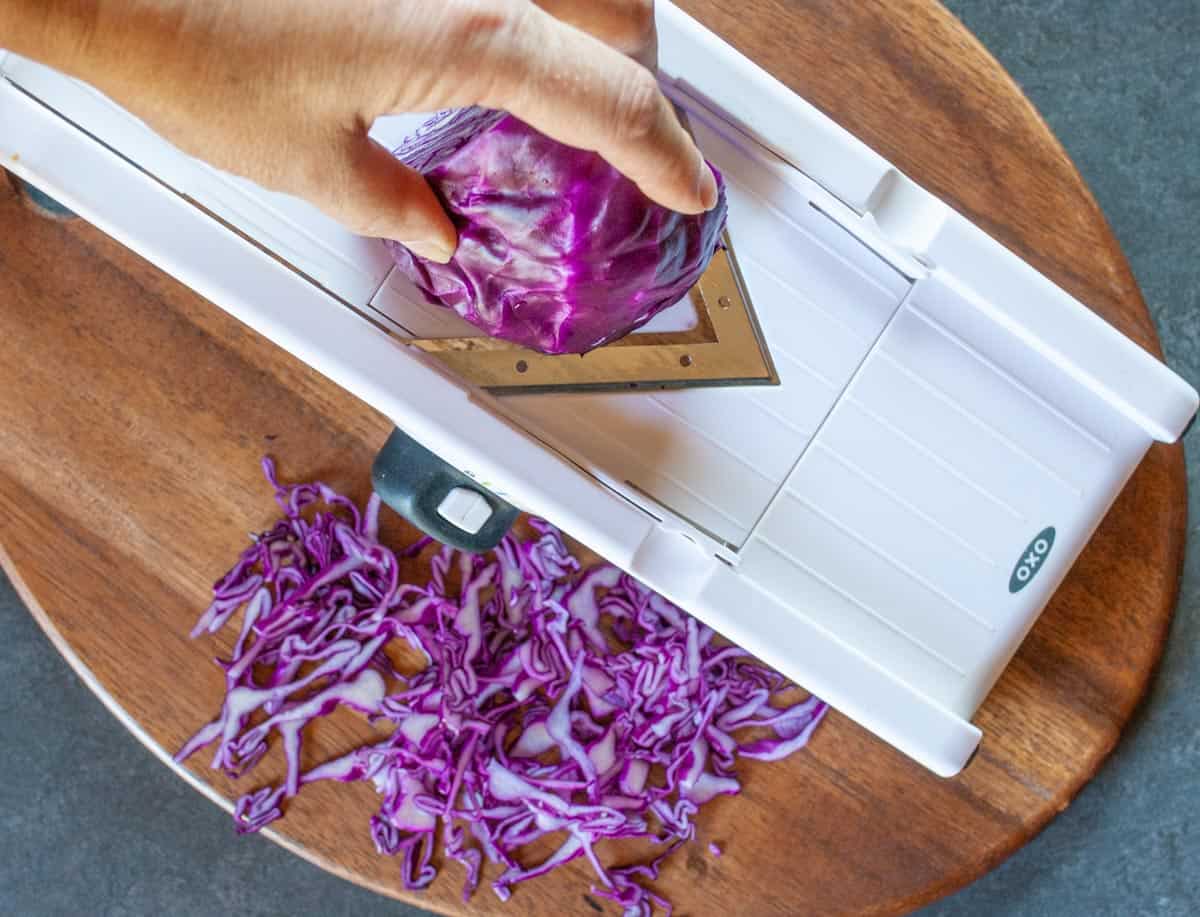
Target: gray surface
(91, 823)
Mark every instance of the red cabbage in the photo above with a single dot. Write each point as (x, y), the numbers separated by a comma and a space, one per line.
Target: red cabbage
(557, 251)
(551, 702)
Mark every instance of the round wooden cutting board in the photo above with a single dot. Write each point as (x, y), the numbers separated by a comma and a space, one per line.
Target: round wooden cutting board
(133, 415)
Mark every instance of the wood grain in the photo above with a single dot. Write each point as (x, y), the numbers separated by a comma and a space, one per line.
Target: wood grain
(133, 415)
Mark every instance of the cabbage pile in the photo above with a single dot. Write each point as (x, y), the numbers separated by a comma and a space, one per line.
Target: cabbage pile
(557, 250)
(550, 701)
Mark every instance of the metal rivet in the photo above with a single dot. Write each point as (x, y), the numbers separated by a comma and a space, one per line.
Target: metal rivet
(522, 366)
(685, 360)
(724, 302)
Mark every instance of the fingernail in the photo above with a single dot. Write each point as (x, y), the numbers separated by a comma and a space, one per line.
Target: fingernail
(430, 251)
(708, 187)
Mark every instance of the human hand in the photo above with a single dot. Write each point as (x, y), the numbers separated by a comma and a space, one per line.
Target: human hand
(285, 92)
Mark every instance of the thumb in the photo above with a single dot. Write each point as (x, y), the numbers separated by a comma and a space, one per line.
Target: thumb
(373, 194)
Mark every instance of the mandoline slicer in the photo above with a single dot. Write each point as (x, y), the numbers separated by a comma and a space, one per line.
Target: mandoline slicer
(933, 432)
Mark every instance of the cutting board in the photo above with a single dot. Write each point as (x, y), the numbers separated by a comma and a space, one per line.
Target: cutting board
(133, 415)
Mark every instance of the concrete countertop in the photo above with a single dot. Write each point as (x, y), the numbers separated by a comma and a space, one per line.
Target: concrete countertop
(91, 823)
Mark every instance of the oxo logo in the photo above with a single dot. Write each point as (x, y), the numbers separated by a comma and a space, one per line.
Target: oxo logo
(1032, 560)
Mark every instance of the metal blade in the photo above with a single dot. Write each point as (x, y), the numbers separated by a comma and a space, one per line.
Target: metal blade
(726, 347)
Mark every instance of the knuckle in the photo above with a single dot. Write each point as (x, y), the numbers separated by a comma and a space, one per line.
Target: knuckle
(636, 106)
(641, 21)
(478, 23)
(485, 43)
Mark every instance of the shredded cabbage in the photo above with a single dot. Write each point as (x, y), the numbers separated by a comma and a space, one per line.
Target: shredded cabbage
(557, 251)
(551, 702)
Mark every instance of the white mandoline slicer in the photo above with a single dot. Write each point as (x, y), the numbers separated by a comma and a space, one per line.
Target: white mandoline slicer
(883, 525)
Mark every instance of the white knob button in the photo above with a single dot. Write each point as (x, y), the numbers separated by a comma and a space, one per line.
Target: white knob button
(466, 509)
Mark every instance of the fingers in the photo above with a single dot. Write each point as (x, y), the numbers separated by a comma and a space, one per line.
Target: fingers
(578, 90)
(373, 194)
(627, 25)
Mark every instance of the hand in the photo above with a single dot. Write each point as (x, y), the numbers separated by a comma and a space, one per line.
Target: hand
(284, 92)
